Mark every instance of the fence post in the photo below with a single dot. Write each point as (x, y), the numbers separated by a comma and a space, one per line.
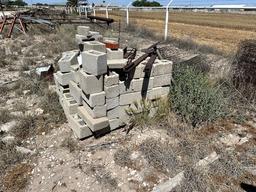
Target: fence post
(127, 13)
(107, 10)
(167, 20)
(94, 14)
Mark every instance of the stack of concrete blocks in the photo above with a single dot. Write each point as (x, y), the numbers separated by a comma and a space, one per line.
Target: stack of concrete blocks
(94, 94)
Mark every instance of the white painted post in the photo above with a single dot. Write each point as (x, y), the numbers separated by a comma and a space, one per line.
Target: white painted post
(167, 20)
(94, 14)
(85, 12)
(127, 13)
(107, 10)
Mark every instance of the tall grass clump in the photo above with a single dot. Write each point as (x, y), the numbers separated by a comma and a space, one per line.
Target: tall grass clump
(194, 98)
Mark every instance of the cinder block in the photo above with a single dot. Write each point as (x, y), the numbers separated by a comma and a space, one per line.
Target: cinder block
(68, 96)
(79, 127)
(94, 62)
(95, 99)
(76, 92)
(70, 106)
(90, 83)
(112, 91)
(162, 80)
(123, 116)
(64, 78)
(94, 33)
(107, 39)
(115, 124)
(129, 98)
(83, 30)
(111, 79)
(69, 58)
(115, 54)
(137, 72)
(142, 84)
(94, 45)
(79, 38)
(113, 113)
(94, 124)
(75, 74)
(125, 88)
(116, 63)
(63, 90)
(97, 111)
(158, 92)
(162, 67)
(112, 103)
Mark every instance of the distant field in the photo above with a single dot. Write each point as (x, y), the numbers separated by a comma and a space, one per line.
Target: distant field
(220, 30)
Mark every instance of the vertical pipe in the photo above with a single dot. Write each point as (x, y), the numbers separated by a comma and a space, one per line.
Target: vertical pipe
(167, 20)
(94, 13)
(127, 13)
(107, 10)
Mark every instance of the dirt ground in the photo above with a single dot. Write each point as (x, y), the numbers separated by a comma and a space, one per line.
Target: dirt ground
(137, 161)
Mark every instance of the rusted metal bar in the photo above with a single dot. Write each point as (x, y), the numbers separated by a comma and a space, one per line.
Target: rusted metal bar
(107, 20)
(3, 24)
(135, 63)
(12, 26)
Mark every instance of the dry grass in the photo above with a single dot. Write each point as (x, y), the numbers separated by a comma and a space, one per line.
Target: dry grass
(16, 179)
(213, 29)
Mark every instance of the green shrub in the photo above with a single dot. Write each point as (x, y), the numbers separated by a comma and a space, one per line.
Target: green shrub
(194, 98)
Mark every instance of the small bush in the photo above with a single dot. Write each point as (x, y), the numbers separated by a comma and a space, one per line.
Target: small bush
(25, 128)
(5, 116)
(194, 99)
(122, 157)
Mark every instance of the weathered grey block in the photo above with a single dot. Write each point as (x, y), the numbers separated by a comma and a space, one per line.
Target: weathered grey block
(162, 67)
(83, 30)
(63, 90)
(79, 127)
(129, 98)
(111, 79)
(94, 124)
(68, 96)
(94, 33)
(94, 45)
(70, 106)
(97, 111)
(112, 91)
(123, 88)
(142, 84)
(94, 62)
(115, 124)
(158, 92)
(79, 38)
(112, 103)
(110, 39)
(95, 99)
(69, 58)
(64, 78)
(76, 92)
(115, 54)
(75, 76)
(113, 113)
(90, 83)
(162, 80)
(123, 116)
(116, 63)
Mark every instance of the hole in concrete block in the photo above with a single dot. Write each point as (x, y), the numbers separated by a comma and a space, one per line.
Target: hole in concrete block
(81, 123)
(72, 102)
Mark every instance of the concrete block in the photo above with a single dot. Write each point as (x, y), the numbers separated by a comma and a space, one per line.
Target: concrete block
(123, 116)
(97, 111)
(162, 67)
(75, 76)
(138, 72)
(94, 33)
(94, 124)
(142, 84)
(95, 99)
(94, 62)
(116, 63)
(111, 79)
(90, 83)
(83, 30)
(76, 92)
(113, 113)
(79, 127)
(98, 37)
(129, 98)
(79, 38)
(158, 92)
(69, 58)
(112, 103)
(70, 106)
(63, 89)
(94, 45)
(63, 78)
(112, 91)
(68, 96)
(162, 80)
(115, 54)
(125, 88)
(115, 124)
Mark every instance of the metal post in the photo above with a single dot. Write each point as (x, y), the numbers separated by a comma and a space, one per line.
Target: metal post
(127, 13)
(167, 20)
(107, 10)
(94, 14)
